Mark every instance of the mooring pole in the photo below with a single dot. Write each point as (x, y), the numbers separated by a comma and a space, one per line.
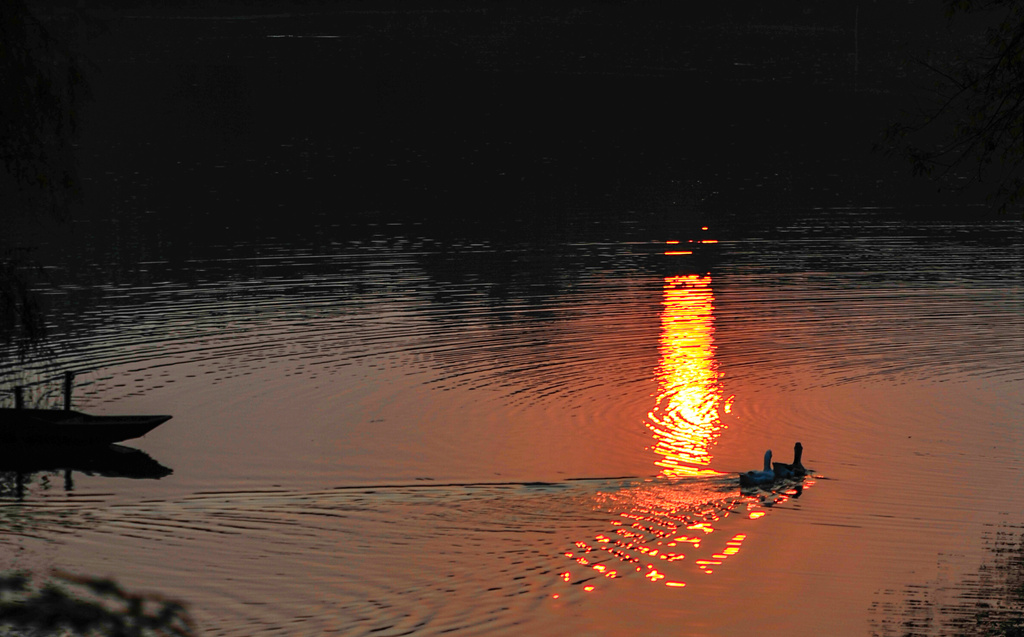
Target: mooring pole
(69, 379)
(19, 398)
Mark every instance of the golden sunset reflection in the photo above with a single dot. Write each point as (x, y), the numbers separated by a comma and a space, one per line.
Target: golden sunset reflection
(685, 418)
(681, 524)
(659, 531)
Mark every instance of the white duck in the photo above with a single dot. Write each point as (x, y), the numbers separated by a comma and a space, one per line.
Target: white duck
(754, 478)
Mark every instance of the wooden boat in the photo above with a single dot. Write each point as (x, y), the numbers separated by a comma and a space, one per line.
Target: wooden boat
(68, 427)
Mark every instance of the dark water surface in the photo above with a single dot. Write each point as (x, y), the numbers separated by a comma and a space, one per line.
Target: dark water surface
(365, 439)
(524, 415)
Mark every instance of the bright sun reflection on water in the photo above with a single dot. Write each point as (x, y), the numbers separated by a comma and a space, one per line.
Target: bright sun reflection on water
(669, 530)
(685, 418)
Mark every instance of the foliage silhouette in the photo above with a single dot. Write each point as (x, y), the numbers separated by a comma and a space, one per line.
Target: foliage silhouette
(21, 322)
(106, 609)
(43, 88)
(973, 132)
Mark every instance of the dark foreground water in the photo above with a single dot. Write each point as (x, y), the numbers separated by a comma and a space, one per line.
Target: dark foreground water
(525, 414)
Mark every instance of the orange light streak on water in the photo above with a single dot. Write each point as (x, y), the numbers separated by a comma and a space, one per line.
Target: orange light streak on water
(685, 418)
(652, 516)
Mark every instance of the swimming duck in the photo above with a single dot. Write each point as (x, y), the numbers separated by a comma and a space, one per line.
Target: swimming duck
(795, 470)
(753, 478)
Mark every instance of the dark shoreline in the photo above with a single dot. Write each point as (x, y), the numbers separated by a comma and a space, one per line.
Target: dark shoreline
(457, 113)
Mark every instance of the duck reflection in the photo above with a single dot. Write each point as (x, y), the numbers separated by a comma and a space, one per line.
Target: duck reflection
(685, 419)
(21, 465)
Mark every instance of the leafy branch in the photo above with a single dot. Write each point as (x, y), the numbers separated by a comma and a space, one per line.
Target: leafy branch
(978, 113)
(105, 609)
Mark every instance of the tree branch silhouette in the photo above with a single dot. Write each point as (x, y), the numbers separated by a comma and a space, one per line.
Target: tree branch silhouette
(973, 133)
(102, 607)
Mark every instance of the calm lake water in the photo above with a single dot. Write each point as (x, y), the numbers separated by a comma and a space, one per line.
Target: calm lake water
(384, 425)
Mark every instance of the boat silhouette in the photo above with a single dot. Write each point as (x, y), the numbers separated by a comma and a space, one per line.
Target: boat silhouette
(69, 427)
